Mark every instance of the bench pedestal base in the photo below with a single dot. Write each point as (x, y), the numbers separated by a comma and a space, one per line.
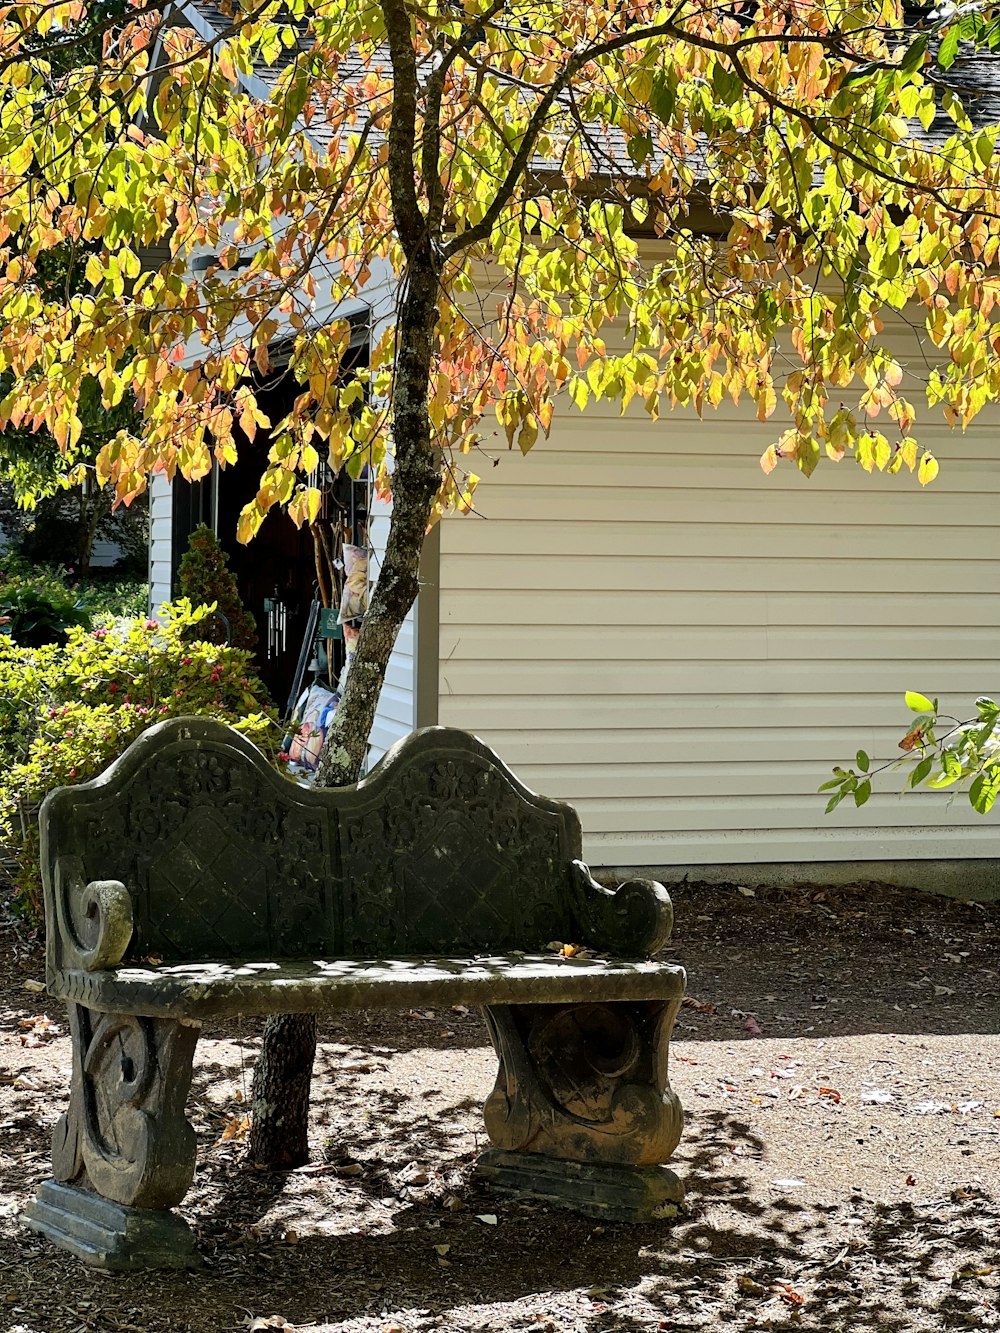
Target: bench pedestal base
(613, 1193)
(109, 1235)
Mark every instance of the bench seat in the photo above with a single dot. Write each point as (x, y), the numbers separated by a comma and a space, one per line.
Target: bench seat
(205, 990)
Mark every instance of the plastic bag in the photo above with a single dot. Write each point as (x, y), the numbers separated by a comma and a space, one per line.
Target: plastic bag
(354, 602)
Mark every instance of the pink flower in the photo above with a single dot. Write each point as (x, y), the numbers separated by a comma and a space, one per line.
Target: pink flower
(152, 624)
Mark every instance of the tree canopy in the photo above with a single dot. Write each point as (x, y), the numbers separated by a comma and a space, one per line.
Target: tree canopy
(481, 174)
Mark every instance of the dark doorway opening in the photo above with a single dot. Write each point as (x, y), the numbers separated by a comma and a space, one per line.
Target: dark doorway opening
(276, 572)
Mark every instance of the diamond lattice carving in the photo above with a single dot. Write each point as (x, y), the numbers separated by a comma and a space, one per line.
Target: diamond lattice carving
(208, 891)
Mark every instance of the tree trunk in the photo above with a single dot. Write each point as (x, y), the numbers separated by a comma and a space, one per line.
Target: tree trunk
(278, 1137)
(281, 1083)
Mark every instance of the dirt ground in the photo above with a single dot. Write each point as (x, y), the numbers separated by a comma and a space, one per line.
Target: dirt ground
(843, 1166)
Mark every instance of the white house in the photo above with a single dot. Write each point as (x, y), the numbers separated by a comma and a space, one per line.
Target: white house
(640, 621)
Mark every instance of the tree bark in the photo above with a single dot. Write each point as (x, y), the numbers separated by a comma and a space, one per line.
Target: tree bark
(281, 1083)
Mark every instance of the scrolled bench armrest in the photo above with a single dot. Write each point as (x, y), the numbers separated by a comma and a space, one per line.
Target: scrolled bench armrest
(632, 921)
(91, 924)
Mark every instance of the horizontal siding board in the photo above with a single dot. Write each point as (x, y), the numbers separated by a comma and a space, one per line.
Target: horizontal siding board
(812, 506)
(686, 609)
(701, 472)
(651, 643)
(565, 535)
(753, 846)
(591, 676)
(606, 782)
(821, 746)
(712, 712)
(735, 814)
(681, 432)
(640, 621)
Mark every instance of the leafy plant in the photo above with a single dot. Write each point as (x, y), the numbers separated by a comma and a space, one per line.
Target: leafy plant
(112, 599)
(205, 579)
(67, 710)
(36, 615)
(939, 751)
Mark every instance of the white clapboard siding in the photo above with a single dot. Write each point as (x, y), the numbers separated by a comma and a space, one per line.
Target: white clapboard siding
(160, 540)
(396, 713)
(643, 623)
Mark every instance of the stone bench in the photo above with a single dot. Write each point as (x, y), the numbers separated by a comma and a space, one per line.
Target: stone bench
(191, 881)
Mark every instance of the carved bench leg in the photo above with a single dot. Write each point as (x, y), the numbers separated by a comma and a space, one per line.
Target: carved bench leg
(582, 1114)
(123, 1154)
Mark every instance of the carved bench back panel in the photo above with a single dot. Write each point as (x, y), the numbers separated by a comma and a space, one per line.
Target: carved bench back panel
(439, 849)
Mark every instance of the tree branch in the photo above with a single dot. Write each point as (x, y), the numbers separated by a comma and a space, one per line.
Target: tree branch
(410, 221)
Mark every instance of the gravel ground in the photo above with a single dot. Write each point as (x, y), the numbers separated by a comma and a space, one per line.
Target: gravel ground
(837, 1058)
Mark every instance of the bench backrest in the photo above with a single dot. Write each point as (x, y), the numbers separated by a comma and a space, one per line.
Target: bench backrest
(440, 849)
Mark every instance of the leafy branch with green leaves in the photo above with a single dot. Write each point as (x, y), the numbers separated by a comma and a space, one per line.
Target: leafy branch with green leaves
(966, 755)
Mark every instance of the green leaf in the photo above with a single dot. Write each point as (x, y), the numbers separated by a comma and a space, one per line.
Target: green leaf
(833, 782)
(988, 709)
(948, 49)
(834, 801)
(663, 99)
(881, 99)
(918, 703)
(915, 54)
(864, 763)
(985, 790)
(920, 772)
(863, 792)
(864, 71)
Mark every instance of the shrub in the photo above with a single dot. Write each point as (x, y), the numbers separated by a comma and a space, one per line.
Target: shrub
(103, 595)
(205, 579)
(110, 599)
(37, 612)
(66, 711)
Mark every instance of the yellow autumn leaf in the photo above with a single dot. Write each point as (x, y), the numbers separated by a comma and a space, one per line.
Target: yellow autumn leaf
(928, 469)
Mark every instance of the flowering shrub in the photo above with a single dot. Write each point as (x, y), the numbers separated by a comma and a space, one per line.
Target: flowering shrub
(66, 711)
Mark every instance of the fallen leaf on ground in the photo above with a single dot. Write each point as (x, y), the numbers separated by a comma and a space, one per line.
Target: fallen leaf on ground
(236, 1128)
(753, 1027)
(38, 1030)
(789, 1294)
(489, 1218)
(36, 986)
(832, 1093)
(876, 1096)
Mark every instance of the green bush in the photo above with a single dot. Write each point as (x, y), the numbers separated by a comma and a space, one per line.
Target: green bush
(205, 579)
(108, 600)
(35, 612)
(101, 596)
(66, 711)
